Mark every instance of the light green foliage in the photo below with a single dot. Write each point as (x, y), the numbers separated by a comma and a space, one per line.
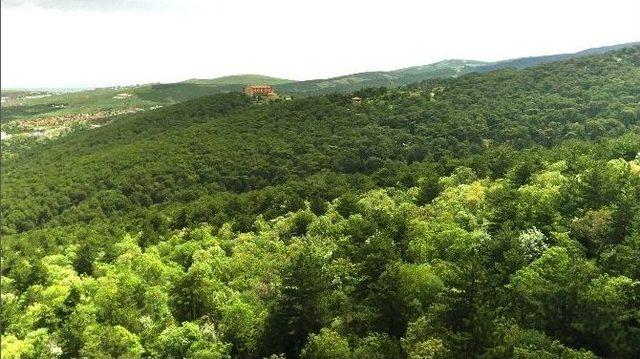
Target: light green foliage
(429, 349)
(303, 272)
(326, 345)
(405, 292)
(103, 342)
(37, 344)
(420, 342)
(540, 201)
(461, 175)
(191, 341)
(243, 326)
(377, 346)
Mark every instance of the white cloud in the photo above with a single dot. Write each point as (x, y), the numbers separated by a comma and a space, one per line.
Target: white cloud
(142, 41)
(98, 5)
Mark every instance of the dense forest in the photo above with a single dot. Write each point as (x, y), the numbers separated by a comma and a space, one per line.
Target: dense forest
(19, 106)
(494, 215)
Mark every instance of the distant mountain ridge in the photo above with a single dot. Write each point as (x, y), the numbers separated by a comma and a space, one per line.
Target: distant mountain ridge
(239, 79)
(152, 95)
(441, 69)
(524, 62)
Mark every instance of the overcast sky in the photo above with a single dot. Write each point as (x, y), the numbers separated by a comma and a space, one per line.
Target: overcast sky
(87, 43)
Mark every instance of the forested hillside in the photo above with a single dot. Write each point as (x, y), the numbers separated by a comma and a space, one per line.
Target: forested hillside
(493, 215)
(110, 101)
(442, 69)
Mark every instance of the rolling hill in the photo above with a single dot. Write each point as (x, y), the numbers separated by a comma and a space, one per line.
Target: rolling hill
(212, 140)
(442, 69)
(111, 101)
(240, 79)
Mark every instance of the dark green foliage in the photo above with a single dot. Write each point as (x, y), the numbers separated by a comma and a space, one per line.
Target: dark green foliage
(222, 158)
(298, 312)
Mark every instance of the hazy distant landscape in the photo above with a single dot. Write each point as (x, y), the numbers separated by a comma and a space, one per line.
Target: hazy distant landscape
(31, 116)
(53, 112)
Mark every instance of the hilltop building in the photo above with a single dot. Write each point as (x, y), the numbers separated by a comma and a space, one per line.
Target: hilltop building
(356, 100)
(255, 90)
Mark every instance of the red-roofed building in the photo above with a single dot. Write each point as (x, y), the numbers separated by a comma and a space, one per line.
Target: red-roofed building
(254, 90)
